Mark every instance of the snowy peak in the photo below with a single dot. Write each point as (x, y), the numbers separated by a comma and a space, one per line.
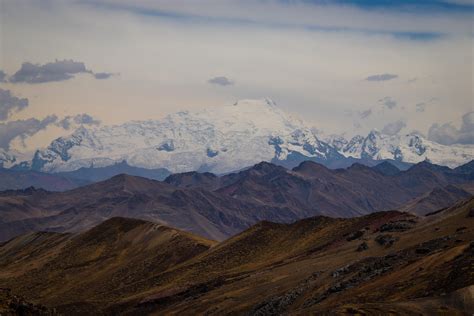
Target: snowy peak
(411, 148)
(218, 139)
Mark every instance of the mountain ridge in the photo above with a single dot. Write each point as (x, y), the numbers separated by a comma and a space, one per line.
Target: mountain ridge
(218, 207)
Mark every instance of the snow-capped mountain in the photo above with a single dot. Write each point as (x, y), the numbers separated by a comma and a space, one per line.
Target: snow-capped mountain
(227, 138)
(217, 139)
(411, 148)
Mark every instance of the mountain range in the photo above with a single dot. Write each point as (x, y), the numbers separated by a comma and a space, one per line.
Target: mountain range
(217, 207)
(369, 265)
(228, 138)
(12, 179)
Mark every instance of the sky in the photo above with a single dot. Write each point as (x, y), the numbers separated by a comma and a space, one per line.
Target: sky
(346, 66)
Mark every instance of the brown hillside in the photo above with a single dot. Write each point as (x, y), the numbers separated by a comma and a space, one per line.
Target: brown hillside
(60, 269)
(370, 264)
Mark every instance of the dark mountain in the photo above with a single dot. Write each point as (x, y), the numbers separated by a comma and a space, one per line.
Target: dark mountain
(22, 179)
(315, 189)
(205, 180)
(95, 174)
(196, 210)
(336, 162)
(438, 198)
(385, 261)
(424, 177)
(466, 169)
(386, 168)
(12, 179)
(219, 207)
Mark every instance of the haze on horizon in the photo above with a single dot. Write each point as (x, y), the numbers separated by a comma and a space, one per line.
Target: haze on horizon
(345, 66)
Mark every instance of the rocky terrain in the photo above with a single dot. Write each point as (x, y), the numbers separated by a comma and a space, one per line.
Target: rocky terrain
(385, 261)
